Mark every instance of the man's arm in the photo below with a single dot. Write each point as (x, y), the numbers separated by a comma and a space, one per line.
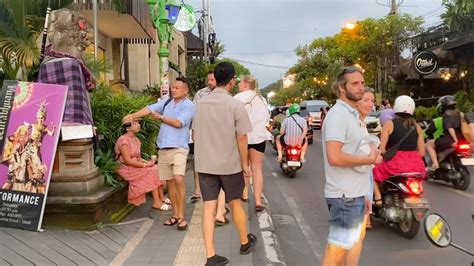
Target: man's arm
(138, 114)
(336, 157)
(242, 144)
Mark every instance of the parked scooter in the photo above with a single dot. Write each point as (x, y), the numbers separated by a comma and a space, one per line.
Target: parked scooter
(453, 164)
(290, 162)
(402, 203)
(438, 232)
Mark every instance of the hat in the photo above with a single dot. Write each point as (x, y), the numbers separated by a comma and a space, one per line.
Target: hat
(224, 72)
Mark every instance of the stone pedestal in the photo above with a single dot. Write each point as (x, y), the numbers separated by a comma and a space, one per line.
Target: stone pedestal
(77, 197)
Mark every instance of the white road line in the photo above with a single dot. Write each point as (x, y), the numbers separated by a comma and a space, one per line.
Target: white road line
(305, 228)
(132, 244)
(462, 193)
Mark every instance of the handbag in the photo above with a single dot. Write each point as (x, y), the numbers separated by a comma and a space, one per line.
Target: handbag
(388, 155)
(466, 129)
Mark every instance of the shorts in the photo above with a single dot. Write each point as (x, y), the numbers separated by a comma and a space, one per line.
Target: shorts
(346, 219)
(172, 162)
(258, 147)
(283, 143)
(233, 186)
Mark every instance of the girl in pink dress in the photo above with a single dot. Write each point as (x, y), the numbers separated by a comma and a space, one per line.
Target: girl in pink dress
(141, 175)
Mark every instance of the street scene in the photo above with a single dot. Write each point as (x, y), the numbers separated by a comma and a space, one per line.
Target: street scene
(212, 132)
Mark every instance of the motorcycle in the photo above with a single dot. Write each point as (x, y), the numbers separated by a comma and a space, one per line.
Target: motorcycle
(290, 162)
(438, 232)
(453, 164)
(402, 203)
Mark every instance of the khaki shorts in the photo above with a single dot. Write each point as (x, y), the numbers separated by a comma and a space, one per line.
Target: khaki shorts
(172, 163)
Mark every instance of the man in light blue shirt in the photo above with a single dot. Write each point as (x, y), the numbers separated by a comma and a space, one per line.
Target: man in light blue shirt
(175, 115)
(346, 188)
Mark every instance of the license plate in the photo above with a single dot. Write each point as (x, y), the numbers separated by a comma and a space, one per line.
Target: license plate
(294, 163)
(467, 161)
(416, 203)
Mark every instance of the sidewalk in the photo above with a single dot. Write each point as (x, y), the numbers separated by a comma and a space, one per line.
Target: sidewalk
(141, 239)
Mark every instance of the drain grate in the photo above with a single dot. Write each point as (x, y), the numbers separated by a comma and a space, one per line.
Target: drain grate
(283, 219)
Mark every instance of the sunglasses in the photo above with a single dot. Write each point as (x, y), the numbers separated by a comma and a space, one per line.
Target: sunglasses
(348, 70)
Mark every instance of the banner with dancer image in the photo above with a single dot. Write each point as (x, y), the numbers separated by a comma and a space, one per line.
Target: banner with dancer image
(30, 119)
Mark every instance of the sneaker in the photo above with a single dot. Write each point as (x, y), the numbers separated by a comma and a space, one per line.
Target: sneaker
(247, 248)
(216, 260)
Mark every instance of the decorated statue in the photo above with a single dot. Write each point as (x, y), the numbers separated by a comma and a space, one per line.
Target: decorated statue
(63, 64)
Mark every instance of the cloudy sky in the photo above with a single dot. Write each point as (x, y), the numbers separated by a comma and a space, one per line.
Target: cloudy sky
(266, 32)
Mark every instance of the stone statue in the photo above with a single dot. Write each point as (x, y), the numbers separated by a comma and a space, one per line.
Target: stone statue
(63, 64)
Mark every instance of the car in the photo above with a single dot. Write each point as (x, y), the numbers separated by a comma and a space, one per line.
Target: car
(314, 109)
(372, 122)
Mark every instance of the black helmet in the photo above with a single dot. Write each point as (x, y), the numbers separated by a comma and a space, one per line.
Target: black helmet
(447, 102)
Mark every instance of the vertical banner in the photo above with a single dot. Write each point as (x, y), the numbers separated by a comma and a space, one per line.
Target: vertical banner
(29, 146)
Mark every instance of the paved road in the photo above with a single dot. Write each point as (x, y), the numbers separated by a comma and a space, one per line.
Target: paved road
(299, 212)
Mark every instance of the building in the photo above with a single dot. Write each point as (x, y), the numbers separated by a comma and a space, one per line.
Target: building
(129, 42)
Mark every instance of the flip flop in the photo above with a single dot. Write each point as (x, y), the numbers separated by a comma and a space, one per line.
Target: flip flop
(167, 201)
(164, 207)
(180, 226)
(259, 208)
(222, 223)
(171, 221)
(195, 197)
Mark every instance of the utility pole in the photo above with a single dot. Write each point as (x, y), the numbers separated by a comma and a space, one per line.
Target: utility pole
(393, 7)
(205, 28)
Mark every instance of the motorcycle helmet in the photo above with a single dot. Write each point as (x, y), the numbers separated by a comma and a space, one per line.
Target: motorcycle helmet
(404, 104)
(386, 115)
(447, 102)
(294, 109)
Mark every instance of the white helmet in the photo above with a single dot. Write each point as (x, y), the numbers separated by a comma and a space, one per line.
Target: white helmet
(404, 104)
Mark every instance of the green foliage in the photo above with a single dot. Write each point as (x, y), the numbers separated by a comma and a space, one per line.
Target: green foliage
(459, 15)
(196, 72)
(107, 165)
(108, 109)
(374, 45)
(97, 67)
(465, 101)
(425, 113)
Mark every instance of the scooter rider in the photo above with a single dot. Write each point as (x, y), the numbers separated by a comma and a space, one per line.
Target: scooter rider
(451, 129)
(293, 132)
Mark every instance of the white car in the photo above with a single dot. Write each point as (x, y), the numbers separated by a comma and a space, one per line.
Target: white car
(314, 109)
(373, 123)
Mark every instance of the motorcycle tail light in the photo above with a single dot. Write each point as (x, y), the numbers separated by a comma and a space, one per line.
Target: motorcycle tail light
(415, 186)
(463, 147)
(294, 151)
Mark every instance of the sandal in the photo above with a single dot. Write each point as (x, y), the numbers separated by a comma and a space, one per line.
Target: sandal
(164, 207)
(195, 197)
(378, 202)
(221, 223)
(259, 208)
(167, 201)
(171, 221)
(244, 200)
(182, 227)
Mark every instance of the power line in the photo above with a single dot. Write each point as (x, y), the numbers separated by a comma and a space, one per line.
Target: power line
(258, 64)
(261, 53)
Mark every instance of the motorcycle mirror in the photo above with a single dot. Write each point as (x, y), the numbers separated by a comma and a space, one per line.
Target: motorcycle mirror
(437, 230)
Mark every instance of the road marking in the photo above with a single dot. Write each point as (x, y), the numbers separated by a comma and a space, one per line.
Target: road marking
(267, 230)
(305, 228)
(462, 193)
(132, 244)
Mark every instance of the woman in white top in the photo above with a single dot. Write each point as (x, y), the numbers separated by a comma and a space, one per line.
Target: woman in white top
(259, 116)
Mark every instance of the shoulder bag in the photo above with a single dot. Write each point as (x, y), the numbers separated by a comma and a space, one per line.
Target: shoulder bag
(388, 155)
(466, 129)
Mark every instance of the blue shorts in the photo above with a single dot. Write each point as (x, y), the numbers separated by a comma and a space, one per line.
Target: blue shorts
(346, 219)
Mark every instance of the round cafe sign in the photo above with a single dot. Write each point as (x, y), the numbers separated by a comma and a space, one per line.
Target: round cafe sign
(425, 62)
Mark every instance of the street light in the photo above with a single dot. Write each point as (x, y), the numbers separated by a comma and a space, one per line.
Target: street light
(350, 25)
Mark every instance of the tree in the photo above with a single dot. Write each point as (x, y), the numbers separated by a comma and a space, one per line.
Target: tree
(21, 23)
(459, 15)
(197, 70)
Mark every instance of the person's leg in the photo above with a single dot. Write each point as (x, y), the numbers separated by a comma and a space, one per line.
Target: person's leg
(240, 219)
(431, 149)
(161, 193)
(256, 161)
(172, 192)
(279, 147)
(208, 227)
(220, 213)
(304, 148)
(334, 256)
(180, 195)
(197, 188)
(353, 256)
(156, 198)
(377, 194)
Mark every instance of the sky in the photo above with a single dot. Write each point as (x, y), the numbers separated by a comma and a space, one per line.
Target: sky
(266, 32)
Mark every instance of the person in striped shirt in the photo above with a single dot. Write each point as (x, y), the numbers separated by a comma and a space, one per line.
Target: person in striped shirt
(293, 132)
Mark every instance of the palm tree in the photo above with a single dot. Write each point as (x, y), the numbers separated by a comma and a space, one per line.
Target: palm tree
(459, 15)
(21, 23)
